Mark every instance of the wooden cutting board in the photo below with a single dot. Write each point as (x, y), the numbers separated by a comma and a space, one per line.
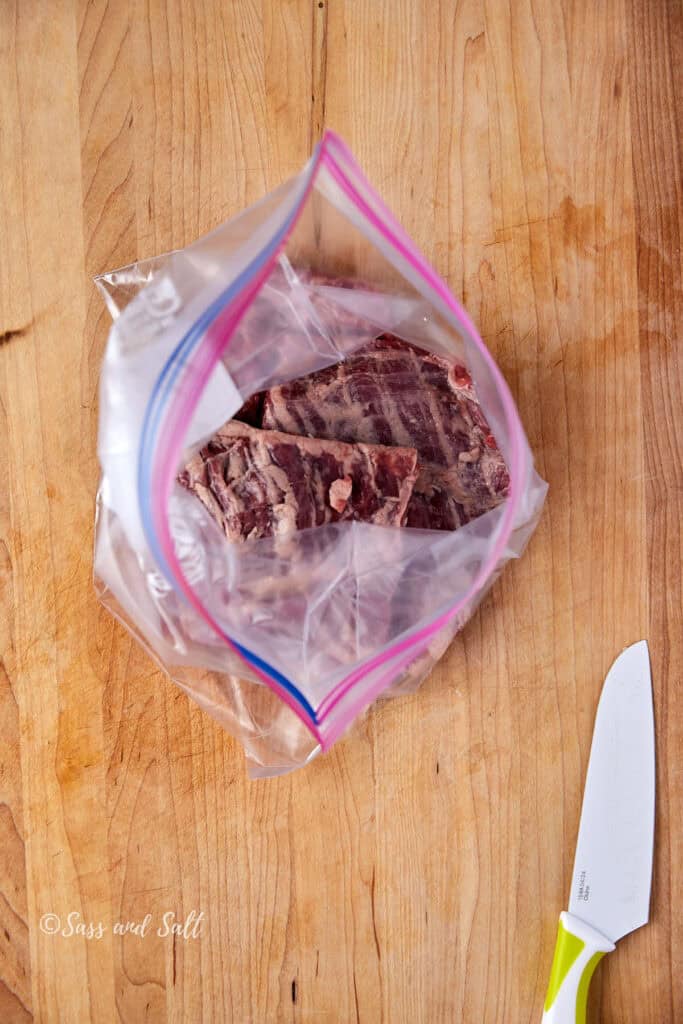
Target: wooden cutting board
(415, 873)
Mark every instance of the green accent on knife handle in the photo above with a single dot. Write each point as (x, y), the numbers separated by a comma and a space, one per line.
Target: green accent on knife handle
(567, 949)
(578, 950)
(582, 994)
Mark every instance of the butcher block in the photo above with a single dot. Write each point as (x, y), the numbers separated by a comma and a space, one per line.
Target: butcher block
(415, 872)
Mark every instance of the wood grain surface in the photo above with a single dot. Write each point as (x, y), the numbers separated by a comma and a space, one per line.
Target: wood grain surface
(414, 874)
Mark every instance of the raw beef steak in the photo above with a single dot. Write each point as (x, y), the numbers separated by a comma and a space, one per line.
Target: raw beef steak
(259, 483)
(291, 328)
(391, 393)
(348, 329)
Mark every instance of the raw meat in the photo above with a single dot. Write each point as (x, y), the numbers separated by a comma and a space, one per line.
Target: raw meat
(391, 393)
(291, 328)
(348, 329)
(259, 483)
(252, 410)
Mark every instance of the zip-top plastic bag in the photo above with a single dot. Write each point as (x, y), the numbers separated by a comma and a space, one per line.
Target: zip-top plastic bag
(287, 638)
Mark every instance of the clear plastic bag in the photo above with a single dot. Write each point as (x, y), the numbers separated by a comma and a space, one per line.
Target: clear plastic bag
(285, 640)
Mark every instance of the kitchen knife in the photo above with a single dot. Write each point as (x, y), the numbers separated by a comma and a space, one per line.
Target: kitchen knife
(610, 891)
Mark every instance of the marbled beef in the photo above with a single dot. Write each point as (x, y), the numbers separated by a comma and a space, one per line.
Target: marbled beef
(391, 393)
(262, 483)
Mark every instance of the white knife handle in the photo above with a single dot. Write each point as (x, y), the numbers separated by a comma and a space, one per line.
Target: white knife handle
(578, 950)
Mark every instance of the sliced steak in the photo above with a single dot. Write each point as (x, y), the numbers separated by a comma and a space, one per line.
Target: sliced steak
(392, 393)
(259, 483)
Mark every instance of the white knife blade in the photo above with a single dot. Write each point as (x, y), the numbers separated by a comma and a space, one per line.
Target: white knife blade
(613, 863)
(610, 892)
